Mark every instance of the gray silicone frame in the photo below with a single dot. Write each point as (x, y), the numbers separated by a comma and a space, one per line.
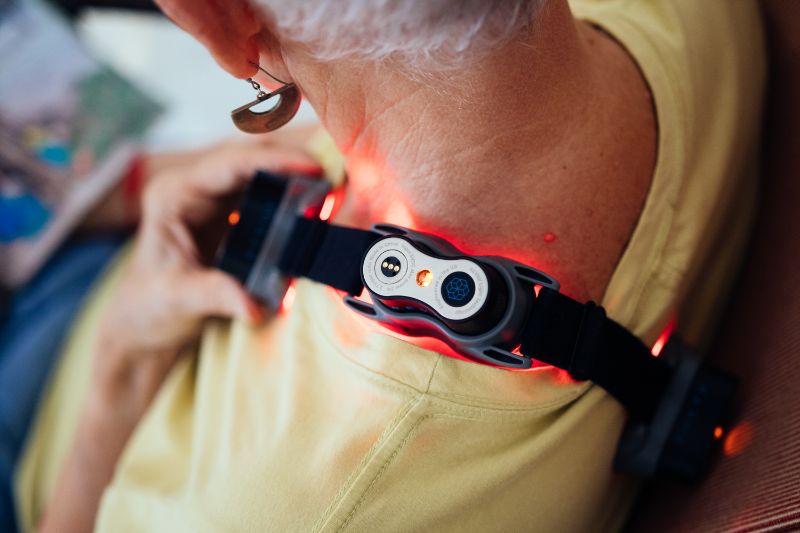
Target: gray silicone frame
(492, 347)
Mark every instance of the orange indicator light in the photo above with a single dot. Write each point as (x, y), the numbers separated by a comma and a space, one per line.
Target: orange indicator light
(718, 431)
(424, 277)
(233, 218)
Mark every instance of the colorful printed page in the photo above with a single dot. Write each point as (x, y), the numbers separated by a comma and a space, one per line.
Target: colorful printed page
(69, 127)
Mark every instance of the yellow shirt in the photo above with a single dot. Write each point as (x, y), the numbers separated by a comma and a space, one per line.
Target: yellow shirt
(317, 421)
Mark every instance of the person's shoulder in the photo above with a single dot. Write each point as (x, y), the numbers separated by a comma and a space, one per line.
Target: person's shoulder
(694, 42)
(704, 62)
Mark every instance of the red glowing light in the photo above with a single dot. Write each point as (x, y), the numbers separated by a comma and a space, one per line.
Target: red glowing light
(364, 176)
(738, 439)
(288, 300)
(549, 237)
(718, 432)
(398, 214)
(663, 338)
(327, 207)
(233, 218)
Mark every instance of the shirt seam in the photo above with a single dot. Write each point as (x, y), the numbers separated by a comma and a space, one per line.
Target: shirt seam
(364, 463)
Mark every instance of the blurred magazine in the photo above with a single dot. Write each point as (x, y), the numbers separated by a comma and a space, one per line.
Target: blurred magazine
(69, 128)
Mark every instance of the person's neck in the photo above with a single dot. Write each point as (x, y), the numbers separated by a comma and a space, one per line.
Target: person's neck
(523, 155)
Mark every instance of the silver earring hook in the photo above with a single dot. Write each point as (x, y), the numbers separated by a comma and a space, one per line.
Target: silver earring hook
(262, 69)
(261, 94)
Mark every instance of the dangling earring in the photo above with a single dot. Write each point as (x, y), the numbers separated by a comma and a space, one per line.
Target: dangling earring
(251, 121)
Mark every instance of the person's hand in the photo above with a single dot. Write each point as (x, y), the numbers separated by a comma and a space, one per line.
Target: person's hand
(120, 209)
(168, 289)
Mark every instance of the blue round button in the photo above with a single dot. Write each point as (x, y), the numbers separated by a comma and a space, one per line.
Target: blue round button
(458, 289)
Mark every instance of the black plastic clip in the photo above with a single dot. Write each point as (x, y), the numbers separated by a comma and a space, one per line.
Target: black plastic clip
(682, 436)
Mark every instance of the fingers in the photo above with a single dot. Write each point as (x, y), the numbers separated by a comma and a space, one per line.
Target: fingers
(192, 194)
(232, 168)
(211, 292)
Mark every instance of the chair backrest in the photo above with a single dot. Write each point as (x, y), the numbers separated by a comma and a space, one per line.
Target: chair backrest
(756, 485)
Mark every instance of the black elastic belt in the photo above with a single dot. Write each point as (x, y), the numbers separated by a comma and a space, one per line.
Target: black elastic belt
(560, 331)
(582, 340)
(328, 254)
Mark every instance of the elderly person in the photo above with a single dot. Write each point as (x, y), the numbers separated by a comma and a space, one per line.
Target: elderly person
(610, 143)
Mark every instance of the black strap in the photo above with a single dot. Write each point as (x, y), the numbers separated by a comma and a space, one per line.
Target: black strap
(327, 253)
(580, 338)
(559, 331)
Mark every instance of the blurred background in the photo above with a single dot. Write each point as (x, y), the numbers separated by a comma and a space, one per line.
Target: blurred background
(86, 86)
(176, 70)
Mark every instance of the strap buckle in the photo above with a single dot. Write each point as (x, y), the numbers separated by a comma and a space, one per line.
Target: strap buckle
(679, 440)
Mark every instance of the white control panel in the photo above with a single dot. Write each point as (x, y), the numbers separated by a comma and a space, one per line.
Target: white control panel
(455, 288)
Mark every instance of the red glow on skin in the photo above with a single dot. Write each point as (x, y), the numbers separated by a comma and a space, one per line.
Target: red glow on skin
(399, 214)
(327, 207)
(288, 300)
(549, 237)
(233, 218)
(663, 338)
(739, 438)
(368, 175)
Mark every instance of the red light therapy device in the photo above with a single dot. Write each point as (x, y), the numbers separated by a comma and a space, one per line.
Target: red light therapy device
(475, 305)
(490, 309)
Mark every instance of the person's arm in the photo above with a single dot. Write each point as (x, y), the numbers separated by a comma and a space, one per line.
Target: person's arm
(158, 308)
(110, 413)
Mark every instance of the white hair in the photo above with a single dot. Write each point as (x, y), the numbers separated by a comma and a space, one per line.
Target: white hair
(426, 34)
